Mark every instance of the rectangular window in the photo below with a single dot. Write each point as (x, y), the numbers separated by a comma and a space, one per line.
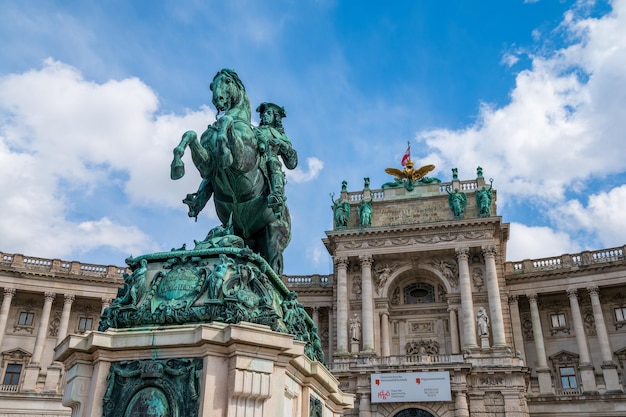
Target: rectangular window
(12, 374)
(568, 377)
(620, 314)
(558, 320)
(85, 324)
(26, 319)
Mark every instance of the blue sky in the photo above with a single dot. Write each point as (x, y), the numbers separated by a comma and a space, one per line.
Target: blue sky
(94, 95)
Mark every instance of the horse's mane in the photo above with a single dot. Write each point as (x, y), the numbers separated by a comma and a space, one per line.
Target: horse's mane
(243, 102)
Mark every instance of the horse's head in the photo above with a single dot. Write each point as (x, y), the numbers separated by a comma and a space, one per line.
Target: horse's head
(229, 93)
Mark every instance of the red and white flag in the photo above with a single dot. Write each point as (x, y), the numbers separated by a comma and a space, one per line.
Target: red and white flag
(407, 155)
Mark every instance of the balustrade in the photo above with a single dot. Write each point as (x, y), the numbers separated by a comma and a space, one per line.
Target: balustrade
(55, 265)
(567, 260)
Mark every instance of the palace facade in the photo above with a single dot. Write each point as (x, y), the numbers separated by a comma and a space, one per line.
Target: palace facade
(423, 316)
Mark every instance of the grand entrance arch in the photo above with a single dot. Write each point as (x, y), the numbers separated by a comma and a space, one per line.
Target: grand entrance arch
(414, 412)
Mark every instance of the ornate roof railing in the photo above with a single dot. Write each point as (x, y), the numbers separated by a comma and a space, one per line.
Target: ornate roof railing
(601, 256)
(31, 263)
(307, 280)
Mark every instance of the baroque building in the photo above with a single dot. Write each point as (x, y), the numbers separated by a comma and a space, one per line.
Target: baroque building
(422, 315)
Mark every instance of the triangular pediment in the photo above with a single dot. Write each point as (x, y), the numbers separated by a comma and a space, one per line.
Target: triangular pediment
(17, 355)
(564, 356)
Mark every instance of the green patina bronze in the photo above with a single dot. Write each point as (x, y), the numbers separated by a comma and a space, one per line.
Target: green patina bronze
(457, 201)
(240, 169)
(234, 274)
(341, 210)
(219, 280)
(153, 388)
(484, 197)
(365, 212)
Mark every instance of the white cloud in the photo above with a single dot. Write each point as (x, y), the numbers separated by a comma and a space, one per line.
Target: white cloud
(603, 216)
(509, 59)
(299, 175)
(535, 242)
(61, 134)
(563, 124)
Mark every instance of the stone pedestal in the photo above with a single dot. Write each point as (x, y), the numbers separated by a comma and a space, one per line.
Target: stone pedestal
(611, 378)
(235, 370)
(484, 341)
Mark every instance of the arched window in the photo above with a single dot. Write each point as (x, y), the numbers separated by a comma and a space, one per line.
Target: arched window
(419, 294)
(414, 412)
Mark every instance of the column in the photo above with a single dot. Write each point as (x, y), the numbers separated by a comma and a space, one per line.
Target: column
(585, 367)
(367, 304)
(342, 305)
(331, 338)
(316, 317)
(454, 331)
(384, 334)
(65, 317)
(460, 404)
(495, 303)
(609, 368)
(4, 311)
(42, 333)
(402, 336)
(467, 304)
(364, 405)
(543, 372)
(516, 323)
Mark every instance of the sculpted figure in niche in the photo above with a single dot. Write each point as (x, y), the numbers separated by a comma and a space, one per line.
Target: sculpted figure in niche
(355, 328)
(482, 320)
(477, 277)
(356, 285)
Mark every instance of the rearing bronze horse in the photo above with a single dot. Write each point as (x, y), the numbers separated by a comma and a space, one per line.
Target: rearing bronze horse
(228, 159)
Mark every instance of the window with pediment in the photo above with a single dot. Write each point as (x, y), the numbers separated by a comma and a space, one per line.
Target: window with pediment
(13, 363)
(565, 365)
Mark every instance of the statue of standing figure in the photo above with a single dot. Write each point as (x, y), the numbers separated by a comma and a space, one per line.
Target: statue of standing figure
(457, 201)
(484, 197)
(365, 212)
(341, 211)
(355, 328)
(273, 142)
(482, 321)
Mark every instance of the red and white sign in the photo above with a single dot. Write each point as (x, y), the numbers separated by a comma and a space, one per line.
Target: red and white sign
(410, 387)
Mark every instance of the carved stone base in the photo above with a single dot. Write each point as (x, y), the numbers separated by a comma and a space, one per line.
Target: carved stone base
(215, 370)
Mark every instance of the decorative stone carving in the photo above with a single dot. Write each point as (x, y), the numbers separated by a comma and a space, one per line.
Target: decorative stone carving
(422, 347)
(477, 278)
(356, 286)
(382, 274)
(448, 269)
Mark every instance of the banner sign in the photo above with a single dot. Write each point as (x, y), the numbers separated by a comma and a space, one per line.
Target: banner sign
(411, 387)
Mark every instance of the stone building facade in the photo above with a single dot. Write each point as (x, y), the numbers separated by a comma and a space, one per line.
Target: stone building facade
(417, 291)
(421, 289)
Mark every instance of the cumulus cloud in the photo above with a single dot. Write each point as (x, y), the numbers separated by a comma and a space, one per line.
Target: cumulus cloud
(603, 217)
(299, 175)
(563, 124)
(61, 134)
(537, 242)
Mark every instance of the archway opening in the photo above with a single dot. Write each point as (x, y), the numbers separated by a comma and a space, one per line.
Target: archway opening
(414, 412)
